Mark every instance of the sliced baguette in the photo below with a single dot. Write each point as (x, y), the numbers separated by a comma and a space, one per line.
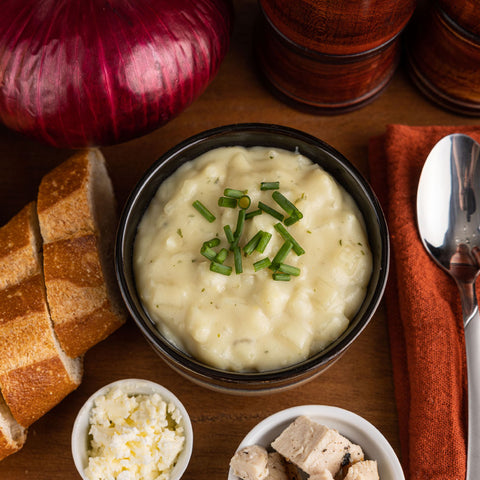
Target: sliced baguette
(35, 374)
(20, 244)
(79, 293)
(19, 258)
(77, 214)
(12, 434)
(77, 196)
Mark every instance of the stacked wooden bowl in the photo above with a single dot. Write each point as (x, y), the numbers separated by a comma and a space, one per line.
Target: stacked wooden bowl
(443, 51)
(330, 56)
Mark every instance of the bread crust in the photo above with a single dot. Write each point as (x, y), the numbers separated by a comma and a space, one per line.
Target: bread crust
(63, 205)
(34, 375)
(77, 215)
(12, 435)
(19, 246)
(77, 290)
(8, 445)
(31, 391)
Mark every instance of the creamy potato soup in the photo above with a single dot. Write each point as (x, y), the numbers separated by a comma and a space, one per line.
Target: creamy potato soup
(250, 321)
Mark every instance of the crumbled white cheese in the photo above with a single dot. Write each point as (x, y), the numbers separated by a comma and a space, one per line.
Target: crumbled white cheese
(133, 437)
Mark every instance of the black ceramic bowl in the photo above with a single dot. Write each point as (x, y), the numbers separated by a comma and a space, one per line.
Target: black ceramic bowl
(248, 135)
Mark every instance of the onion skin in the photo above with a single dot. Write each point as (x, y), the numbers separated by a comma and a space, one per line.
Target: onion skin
(100, 72)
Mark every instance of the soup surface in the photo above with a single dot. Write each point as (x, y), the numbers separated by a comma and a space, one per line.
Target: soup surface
(248, 321)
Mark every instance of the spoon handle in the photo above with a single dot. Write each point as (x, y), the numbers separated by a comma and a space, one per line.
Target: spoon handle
(472, 346)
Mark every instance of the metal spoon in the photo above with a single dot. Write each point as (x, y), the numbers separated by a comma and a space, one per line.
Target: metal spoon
(448, 215)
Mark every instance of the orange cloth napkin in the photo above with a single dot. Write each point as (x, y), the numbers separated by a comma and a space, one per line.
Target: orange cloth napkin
(424, 314)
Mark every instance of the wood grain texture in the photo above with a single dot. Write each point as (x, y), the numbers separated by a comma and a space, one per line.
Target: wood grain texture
(444, 61)
(463, 12)
(311, 80)
(360, 381)
(336, 27)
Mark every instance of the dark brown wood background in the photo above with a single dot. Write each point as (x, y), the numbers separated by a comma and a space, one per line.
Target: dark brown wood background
(360, 381)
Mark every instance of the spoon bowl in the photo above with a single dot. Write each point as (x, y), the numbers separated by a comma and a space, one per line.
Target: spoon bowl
(448, 215)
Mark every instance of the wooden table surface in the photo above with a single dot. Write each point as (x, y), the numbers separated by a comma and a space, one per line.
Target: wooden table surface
(361, 381)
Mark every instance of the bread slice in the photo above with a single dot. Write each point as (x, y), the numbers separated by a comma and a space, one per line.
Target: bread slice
(20, 244)
(12, 434)
(77, 215)
(35, 374)
(77, 196)
(83, 300)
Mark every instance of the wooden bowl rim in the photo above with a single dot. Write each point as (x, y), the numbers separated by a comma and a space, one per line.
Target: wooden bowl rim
(316, 54)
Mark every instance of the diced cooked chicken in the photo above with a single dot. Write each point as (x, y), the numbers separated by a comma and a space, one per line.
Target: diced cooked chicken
(365, 470)
(276, 467)
(250, 463)
(293, 471)
(323, 475)
(280, 469)
(315, 448)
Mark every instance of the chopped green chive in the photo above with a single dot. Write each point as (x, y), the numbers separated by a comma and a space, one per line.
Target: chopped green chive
(212, 243)
(237, 258)
(234, 243)
(233, 193)
(203, 210)
(179, 232)
(239, 229)
(281, 255)
(263, 263)
(281, 277)
(234, 198)
(291, 220)
(274, 213)
(208, 252)
(261, 245)
(228, 233)
(227, 202)
(289, 269)
(219, 268)
(269, 185)
(287, 237)
(252, 243)
(252, 214)
(240, 224)
(244, 202)
(287, 205)
(221, 256)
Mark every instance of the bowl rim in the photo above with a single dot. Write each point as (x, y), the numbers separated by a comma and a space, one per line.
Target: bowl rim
(347, 423)
(79, 436)
(230, 377)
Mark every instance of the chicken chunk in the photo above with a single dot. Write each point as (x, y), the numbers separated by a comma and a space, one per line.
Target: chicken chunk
(365, 470)
(250, 463)
(323, 475)
(315, 448)
(280, 469)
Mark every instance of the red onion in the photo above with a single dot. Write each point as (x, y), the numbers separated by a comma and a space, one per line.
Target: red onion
(76, 73)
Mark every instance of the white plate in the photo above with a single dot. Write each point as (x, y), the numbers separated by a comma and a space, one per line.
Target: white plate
(350, 425)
